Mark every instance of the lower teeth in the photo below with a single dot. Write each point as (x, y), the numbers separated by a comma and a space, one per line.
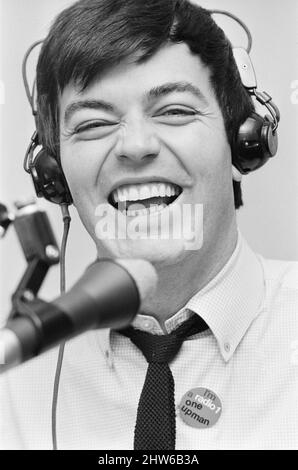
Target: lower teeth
(149, 210)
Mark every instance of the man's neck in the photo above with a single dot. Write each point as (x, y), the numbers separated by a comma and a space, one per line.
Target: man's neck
(178, 283)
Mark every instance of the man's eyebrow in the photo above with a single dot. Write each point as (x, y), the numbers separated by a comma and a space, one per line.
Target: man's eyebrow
(86, 104)
(155, 92)
(178, 87)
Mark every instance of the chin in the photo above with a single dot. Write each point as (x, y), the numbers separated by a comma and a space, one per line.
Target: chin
(158, 252)
(163, 238)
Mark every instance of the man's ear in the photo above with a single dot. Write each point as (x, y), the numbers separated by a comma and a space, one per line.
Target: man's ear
(237, 176)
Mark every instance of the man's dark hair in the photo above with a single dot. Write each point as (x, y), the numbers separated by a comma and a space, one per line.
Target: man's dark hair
(91, 36)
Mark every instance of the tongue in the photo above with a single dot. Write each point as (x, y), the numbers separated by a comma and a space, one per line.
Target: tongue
(151, 201)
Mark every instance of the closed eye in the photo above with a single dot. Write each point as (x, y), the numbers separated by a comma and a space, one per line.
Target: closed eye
(178, 111)
(91, 130)
(93, 125)
(176, 116)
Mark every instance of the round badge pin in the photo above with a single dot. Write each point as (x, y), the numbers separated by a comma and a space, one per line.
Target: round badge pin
(200, 408)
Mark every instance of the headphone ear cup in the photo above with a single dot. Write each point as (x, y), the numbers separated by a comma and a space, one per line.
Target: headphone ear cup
(269, 137)
(49, 180)
(255, 143)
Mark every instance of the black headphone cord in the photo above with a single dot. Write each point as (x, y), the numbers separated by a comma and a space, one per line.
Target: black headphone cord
(66, 225)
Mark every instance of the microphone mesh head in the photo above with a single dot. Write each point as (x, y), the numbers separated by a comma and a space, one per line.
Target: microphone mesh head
(143, 273)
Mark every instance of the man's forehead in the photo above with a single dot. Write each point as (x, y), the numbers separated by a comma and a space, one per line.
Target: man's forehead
(170, 63)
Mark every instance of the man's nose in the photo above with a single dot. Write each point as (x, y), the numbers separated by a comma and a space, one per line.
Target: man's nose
(137, 141)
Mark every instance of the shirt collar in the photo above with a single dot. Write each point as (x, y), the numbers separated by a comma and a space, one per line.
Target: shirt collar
(232, 299)
(228, 303)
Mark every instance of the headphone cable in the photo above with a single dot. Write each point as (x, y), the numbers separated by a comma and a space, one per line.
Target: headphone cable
(66, 225)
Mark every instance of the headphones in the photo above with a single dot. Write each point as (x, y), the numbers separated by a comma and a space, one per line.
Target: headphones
(255, 142)
(47, 175)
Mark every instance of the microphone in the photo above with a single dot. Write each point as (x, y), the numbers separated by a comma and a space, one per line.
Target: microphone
(6, 219)
(39, 246)
(108, 295)
(35, 233)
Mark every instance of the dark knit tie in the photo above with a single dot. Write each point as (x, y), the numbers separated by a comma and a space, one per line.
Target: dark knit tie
(156, 418)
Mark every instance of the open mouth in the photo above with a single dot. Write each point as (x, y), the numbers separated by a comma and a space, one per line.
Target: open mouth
(144, 198)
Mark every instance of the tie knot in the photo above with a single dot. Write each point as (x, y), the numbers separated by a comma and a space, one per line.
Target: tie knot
(162, 349)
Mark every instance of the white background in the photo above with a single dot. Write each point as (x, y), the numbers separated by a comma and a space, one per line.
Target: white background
(269, 219)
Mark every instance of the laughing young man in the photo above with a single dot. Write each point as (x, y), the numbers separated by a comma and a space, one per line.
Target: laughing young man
(141, 103)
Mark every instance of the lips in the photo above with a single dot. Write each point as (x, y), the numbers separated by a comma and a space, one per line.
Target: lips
(138, 198)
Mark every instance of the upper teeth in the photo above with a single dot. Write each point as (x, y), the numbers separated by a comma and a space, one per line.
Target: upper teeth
(136, 192)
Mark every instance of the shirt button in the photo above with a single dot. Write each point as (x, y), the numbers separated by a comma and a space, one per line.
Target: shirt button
(227, 347)
(147, 325)
(109, 358)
